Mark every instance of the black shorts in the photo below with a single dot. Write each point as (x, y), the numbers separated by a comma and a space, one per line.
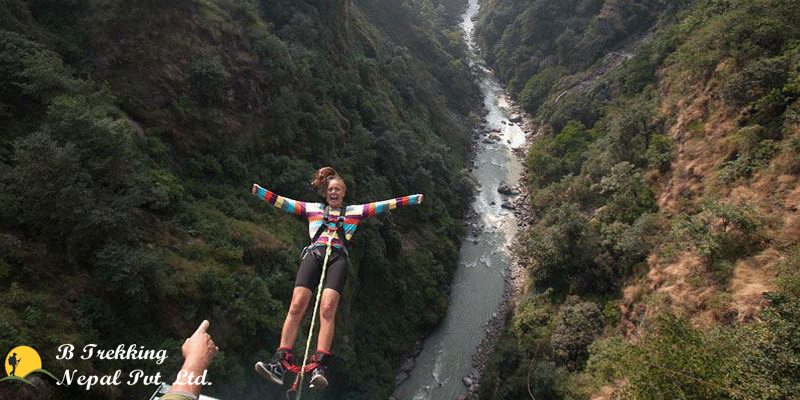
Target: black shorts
(311, 268)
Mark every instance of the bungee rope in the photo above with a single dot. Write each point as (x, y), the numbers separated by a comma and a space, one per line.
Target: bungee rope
(296, 387)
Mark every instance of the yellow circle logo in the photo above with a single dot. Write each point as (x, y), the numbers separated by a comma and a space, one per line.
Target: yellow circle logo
(21, 361)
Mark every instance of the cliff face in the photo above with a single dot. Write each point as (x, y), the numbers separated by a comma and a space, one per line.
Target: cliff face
(664, 187)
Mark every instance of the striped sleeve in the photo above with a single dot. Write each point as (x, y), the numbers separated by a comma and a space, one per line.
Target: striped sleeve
(370, 209)
(283, 203)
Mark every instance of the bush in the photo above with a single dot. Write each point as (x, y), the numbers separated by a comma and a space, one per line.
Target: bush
(81, 175)
(768, 352)
(577, 189)
(626, 194)
(751, 152)
(791, 149)
(578, 106)
(562, 249)
(626, 246)
(561, 155)
(676, 361)
(758, 360)
(788, 279)
(577, 326)
(720, 234)
(532, 324)
(537, 88)
(754, 81)
(207, 79)
(660, 153)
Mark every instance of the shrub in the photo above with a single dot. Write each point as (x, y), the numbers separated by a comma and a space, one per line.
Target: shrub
(560, 155)
(625, 246)
(768, 352)
(537, 88)
(754, 81)
(720, 234)
(606, 359)
(660, 153)
(791, 148)
(207, 79)
(625, 193)
(575, 189)
(561, 249)
(751, 152)
(577, 326)
(676, 361)
(630, 123)
(132, 272)
(532, 324)
(579, 106)
(788, 279)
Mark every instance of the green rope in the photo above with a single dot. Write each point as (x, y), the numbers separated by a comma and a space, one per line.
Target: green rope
(313, 320)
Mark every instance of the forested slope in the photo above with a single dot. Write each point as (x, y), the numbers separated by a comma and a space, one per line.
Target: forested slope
(662, 250)
(132, 132)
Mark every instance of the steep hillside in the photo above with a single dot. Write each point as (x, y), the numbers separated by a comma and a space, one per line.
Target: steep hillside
(663, 246)
(132, 132)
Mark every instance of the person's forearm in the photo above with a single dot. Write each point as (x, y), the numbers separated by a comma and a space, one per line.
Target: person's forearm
(377, 207)
(190, 379)
(284, 203)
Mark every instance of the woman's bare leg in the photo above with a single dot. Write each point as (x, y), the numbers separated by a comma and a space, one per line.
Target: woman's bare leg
(327, 319)
(300, 299)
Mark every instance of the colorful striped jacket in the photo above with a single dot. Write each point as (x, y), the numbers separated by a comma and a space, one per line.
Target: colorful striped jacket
(315, 212)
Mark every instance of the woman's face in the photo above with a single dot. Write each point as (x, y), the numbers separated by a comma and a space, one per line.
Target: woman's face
(334, 194)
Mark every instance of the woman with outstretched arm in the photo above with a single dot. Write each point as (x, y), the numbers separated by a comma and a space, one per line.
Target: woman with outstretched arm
(328, 223)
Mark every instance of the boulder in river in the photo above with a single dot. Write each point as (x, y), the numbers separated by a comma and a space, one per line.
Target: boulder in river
(504, 188)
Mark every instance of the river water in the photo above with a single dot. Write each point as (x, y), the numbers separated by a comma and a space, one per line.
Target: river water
(478, 284)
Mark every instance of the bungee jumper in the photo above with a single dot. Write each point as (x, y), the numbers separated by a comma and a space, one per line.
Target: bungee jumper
(324, 263)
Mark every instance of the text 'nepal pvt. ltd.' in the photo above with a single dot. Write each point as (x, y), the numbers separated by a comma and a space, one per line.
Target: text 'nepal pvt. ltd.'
(119, 377)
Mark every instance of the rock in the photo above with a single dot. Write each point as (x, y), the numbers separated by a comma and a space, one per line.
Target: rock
(504, 188)
(508, 205)
(492, 138)
(467, 381)
(400, 378)
(476, 229)
(515, 118)
(407, 365)
(417, 347)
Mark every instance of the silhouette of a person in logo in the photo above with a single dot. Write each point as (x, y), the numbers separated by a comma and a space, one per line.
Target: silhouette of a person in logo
(13, 362)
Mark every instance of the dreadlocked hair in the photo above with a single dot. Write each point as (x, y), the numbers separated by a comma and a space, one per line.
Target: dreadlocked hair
(322, 177)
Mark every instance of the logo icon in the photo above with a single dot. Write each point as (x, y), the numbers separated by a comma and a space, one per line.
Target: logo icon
(21, 362)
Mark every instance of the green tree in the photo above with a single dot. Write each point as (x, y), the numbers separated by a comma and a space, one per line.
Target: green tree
(562, 248)
(76, 181)
(578, 324)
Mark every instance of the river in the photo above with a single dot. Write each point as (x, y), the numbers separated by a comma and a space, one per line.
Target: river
(478, 283)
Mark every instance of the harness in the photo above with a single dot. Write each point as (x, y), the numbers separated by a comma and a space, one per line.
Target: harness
(339, 229)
